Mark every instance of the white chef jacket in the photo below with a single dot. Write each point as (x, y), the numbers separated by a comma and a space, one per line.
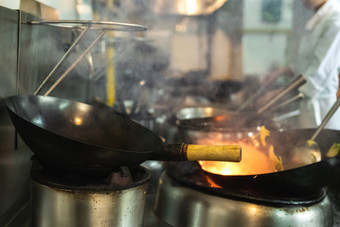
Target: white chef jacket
(318, 61)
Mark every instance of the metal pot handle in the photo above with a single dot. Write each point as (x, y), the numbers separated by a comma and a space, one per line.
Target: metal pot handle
(297, 82)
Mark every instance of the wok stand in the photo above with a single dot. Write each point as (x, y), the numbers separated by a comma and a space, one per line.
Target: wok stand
(75, 63)
(102, 26)
(75, 43)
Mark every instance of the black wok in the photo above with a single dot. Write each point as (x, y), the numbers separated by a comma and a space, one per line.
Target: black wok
(294, 181)
(74, 137)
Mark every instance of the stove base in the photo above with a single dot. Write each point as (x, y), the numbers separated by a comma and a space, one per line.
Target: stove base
(54, 203)
(178, 205)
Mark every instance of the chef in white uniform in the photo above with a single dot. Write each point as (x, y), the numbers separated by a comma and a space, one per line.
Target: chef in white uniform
(318, 60)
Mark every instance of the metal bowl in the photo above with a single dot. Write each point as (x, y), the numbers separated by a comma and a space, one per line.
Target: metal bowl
(195, 123)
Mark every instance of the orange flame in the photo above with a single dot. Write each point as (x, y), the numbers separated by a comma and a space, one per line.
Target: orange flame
(254, 161)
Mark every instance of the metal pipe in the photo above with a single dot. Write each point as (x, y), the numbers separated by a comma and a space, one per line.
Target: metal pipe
(75, 63)
(258, 93)
(75, 43)
(326, 118)
(293, 85)
(288, 101)
(251, 99)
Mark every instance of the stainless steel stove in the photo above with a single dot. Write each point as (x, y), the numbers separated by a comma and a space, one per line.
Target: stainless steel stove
(169, 202)
(180, 203)
(69, 200)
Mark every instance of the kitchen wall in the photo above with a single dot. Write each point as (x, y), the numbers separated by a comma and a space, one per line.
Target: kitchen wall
(270, 41)
(265, 39)
(67, 9)
(14, 158)
(28, 53)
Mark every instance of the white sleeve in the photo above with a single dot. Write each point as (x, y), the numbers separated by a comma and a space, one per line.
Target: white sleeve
(325, 60)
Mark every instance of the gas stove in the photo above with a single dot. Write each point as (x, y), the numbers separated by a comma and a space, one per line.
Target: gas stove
(186, 197)
(71, 200)
(169, 202)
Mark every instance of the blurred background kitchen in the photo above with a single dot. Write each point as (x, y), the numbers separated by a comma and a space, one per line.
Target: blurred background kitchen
(194, 53)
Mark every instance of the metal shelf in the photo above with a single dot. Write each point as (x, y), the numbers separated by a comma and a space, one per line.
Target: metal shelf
(100, 25)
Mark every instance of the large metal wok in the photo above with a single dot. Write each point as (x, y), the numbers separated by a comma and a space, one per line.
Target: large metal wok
(291, 183)
(74, 137)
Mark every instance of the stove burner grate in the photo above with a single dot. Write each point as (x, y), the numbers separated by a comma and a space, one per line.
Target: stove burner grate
(120, 179)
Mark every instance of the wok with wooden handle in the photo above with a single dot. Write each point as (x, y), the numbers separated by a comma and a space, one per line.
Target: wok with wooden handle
(74, 137)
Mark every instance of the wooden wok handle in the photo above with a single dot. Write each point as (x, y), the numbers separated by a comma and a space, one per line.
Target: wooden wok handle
(229, 153)
(193, 152)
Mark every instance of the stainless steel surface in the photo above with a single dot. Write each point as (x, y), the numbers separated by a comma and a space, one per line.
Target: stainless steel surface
(187, 7)
(199, 112)
(21, 218)
(69, 208)
(155, 168)
(14, 157)
(101, 25)
(193, 133)
(23, 61)
(182, 206)
(14, 175)
(8, 46)
(37, 42)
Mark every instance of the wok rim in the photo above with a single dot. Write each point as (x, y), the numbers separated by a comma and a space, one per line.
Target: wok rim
(99, 147)
(287, 171)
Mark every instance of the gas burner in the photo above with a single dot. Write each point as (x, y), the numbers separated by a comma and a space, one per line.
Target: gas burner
(187, 196)
(191, 175)
(120, 179)
(71, 200)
